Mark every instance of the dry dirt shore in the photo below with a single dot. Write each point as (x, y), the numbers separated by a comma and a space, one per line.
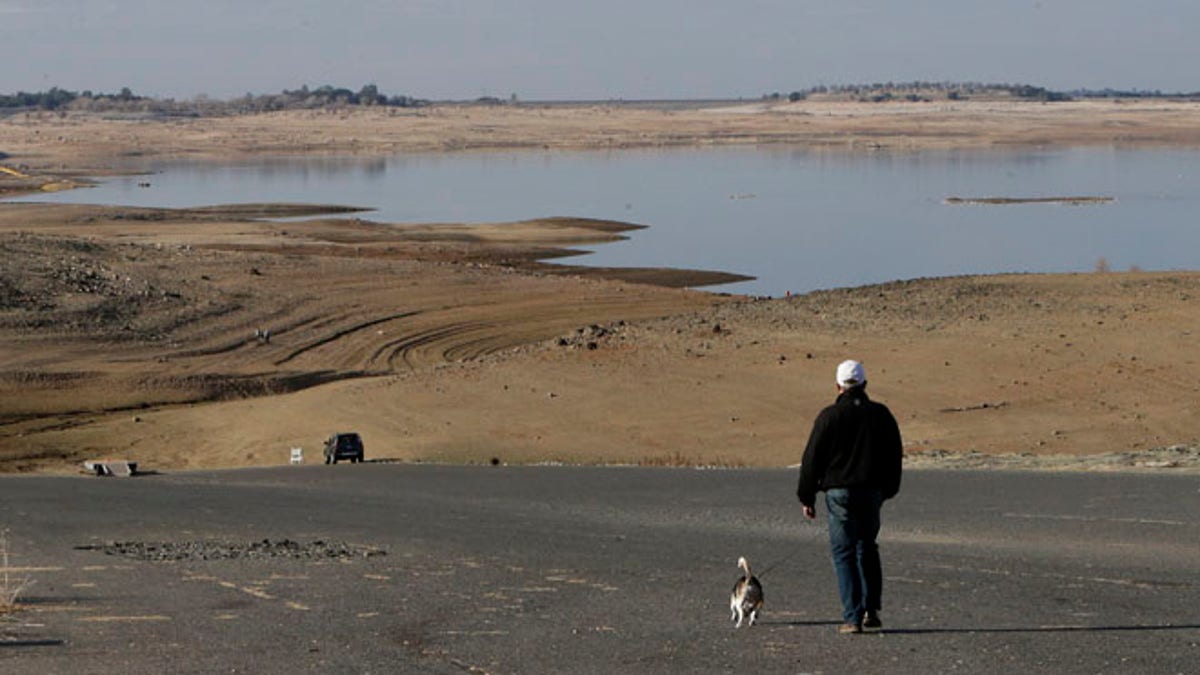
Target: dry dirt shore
(132, 332)
(79, 144)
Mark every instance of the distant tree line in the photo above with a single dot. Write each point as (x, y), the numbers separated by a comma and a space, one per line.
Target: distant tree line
(127, 102)
(57, 98)
(1130, 93)
(327, 96)
(880, 92)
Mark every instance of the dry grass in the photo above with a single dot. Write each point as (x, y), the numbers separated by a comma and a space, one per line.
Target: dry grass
(11, 587)
(677, 459)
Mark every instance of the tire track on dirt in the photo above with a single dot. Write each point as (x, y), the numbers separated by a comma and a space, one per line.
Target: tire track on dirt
(489, 344)
(239, 342)
(338, 335)
(404, 348)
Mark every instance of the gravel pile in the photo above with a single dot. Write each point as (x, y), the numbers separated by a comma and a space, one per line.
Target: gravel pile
(74, 286)
(591, 337)
(171, 551)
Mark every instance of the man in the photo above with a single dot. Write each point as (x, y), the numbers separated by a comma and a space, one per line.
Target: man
(853, 454)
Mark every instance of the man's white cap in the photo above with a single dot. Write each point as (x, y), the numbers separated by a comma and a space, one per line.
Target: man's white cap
(850, 374)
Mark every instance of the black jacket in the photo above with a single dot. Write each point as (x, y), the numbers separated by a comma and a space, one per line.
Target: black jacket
(855, 441)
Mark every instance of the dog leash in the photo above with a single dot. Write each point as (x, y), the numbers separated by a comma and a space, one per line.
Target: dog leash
(777, 563)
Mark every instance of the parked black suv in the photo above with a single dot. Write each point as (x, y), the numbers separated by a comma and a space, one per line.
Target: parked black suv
(343, 446)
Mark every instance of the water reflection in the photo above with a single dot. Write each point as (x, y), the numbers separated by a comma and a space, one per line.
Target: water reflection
(798, 219)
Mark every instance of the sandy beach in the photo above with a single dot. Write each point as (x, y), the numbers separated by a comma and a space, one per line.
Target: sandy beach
(141, 333)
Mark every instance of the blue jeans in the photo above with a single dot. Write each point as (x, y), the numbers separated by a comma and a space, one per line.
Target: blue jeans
(853, 526)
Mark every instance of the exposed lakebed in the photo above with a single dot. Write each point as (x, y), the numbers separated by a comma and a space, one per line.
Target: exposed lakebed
(797, 220)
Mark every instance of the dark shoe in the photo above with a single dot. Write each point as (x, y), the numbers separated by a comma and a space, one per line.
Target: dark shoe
(871, 620)
(849, 628)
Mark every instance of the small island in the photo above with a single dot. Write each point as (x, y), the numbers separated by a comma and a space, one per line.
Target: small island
(1070, 201)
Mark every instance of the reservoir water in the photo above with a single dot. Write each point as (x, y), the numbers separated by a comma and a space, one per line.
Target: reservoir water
(797, 220)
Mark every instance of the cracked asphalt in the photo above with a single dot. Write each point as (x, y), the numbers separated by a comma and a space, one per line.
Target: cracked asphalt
(594, 570)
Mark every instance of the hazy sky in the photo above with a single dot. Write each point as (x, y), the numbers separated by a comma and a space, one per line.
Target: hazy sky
(559, 49)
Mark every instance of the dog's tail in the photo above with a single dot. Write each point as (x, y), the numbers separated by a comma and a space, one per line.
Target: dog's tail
(745, 565)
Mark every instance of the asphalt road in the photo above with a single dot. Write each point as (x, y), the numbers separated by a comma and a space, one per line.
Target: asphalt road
(572, 570)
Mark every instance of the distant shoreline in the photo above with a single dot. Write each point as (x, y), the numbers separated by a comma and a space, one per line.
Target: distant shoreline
(83, 143)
